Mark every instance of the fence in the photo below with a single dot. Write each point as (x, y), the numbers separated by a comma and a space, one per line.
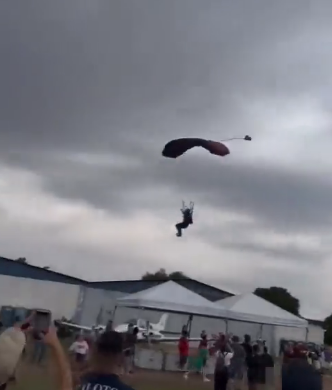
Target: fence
(163, 361)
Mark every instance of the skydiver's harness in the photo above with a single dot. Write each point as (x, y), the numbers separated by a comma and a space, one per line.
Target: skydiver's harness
(187, 213)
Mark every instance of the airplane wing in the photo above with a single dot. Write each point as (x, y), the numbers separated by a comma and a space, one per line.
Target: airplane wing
(155, 340)
(172, 339)
(74, 326)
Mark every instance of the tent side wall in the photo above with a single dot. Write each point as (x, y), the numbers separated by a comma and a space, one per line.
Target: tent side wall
(210, 325)
(288, 333)
(239, 328)
(255, 330)
(316, 334)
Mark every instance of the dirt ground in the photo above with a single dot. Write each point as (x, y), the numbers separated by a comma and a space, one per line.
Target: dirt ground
(33, 377)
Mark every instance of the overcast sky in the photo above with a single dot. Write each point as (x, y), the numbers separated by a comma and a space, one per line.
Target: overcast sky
(90, 91)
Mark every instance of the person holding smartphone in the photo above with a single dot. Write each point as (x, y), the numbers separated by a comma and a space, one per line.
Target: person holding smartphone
(64, 375)
(105, 362)
(12, 344)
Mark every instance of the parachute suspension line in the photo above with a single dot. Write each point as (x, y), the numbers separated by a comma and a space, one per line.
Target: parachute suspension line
(184, 207)
(246, 138)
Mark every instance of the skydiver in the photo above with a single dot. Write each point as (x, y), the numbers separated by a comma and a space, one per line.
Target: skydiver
(187, 215)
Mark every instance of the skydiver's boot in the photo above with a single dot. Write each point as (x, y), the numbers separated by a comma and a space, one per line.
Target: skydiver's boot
(179, 230)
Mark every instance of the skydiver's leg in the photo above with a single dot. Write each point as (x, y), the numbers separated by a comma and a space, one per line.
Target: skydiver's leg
(178, 227)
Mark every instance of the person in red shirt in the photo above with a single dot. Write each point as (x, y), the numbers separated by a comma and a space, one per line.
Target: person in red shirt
(183, 347)
(287, 353)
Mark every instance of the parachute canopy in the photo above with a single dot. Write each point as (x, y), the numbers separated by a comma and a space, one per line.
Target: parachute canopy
(178, 147)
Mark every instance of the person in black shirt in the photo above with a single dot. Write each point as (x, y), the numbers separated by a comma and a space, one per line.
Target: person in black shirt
(247, 346)
(254, 364)
(106, 359)
(267, 369)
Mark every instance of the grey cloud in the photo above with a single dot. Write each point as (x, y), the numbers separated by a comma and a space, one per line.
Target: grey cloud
(241, 238)
(290, 202)
(275, 252)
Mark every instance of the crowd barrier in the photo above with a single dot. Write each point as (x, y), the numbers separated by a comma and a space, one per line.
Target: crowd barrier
(163, 361)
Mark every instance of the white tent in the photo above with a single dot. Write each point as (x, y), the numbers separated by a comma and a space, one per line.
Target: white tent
(252, 308)
(172, 297)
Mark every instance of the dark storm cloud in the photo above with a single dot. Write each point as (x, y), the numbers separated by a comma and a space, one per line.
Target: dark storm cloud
(78, 73)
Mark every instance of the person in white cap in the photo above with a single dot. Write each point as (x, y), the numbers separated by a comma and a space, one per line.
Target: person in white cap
(12, 344)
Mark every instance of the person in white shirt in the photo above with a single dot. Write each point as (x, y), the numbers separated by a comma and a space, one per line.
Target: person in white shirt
(80, 348)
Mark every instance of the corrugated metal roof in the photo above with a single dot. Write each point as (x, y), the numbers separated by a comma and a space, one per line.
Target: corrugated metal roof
(15, 268)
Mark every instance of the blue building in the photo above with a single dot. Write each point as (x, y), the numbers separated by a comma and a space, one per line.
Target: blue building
(25, 270)
(20, 269)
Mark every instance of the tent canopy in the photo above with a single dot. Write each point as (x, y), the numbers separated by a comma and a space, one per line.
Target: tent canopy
(172, 297)
(257, 309)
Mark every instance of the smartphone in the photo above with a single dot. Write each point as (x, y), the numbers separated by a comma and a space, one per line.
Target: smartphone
(41, 321)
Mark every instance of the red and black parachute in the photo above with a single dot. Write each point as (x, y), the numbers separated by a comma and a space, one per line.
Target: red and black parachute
(178, 147)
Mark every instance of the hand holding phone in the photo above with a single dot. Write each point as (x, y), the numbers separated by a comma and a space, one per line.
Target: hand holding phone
(41, 322)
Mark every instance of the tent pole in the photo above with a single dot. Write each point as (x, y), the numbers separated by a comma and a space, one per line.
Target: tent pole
(190, 319)
(113, 313)
(261, 331)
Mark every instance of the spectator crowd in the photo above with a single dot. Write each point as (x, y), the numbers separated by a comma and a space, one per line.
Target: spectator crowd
(102, 360)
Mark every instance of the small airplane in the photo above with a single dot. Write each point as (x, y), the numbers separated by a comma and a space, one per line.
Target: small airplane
(146, 329)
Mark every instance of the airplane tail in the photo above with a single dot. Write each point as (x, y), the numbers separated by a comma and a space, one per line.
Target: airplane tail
(162, 322)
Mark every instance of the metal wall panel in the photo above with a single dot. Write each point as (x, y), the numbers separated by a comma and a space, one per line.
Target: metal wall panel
(94, 302)
(60, 298)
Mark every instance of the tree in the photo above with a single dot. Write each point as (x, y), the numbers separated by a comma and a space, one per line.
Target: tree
(177, 275)
(21, 260)
(328, 330)
(161, 274)
(281, 297)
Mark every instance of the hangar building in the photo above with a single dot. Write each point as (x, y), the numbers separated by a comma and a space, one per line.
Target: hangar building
(26, 286)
